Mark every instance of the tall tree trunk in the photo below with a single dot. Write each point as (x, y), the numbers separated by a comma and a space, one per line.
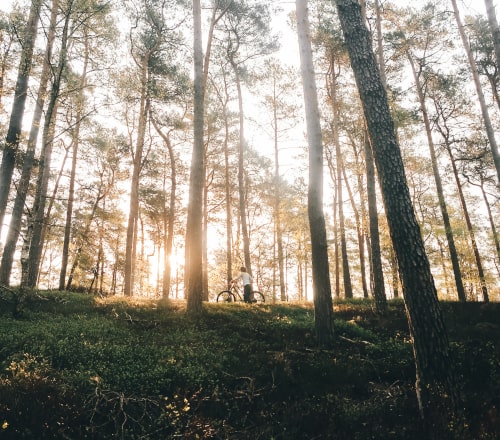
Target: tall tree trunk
(241, 174)
(482, 102)
(425, 318)
(74, 161)
(11, 146)
(323, 307)
(229, 205)
(29, 158)
(131, 239)
(194, 263)
(375, 254)
(168, 213)
(437, 178)
(359, 233)
(277, 207)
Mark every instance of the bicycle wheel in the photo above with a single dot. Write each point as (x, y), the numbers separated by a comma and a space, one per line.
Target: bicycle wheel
(258, 297)
(226, 296)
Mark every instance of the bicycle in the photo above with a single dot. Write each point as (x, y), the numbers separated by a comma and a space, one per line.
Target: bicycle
(233, 294)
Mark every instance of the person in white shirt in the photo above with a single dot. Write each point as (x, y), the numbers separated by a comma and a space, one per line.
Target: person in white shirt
(246, 280)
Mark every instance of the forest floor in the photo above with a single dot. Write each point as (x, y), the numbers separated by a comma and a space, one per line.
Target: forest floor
(74, 366)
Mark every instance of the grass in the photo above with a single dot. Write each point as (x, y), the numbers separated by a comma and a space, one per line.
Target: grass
(77, 367)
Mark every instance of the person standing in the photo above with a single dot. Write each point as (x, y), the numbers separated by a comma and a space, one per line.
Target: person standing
(246, 280)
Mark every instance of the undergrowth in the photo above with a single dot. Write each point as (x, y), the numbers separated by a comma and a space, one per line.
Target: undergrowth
(78, 367)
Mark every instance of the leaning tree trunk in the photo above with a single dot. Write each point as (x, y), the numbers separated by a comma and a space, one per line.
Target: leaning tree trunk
(323, 307)
(10, 148)
(425, 318)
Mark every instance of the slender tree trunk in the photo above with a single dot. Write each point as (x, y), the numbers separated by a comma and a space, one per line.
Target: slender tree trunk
(468, 222)
(425, 318)
(437, 178)
(490, 132)
(134, 184)
(74, 161)
(12, 140)
(376, 260)
(277, 207)
(241, 174)
(208, 180)
(229, 205)
(323, 307)
(194, 263)
(359, 233)
(168, 213)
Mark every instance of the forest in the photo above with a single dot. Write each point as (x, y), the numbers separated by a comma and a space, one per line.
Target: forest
(337, 150)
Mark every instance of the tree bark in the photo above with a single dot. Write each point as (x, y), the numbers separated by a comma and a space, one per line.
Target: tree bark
(194, 233)
(425, 318)
(323, 306)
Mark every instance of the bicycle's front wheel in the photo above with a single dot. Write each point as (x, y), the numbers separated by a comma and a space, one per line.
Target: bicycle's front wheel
(226, 296)
(258, 297)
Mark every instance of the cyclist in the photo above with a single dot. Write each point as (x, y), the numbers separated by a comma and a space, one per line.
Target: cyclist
(246, 280)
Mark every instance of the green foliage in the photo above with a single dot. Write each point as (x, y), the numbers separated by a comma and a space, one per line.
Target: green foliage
(73, 366)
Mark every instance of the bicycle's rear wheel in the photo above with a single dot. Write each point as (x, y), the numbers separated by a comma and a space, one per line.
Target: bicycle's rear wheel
(226, 296)
(258, 297)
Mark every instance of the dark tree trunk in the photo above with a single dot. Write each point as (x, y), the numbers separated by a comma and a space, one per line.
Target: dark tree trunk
(428, 331)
